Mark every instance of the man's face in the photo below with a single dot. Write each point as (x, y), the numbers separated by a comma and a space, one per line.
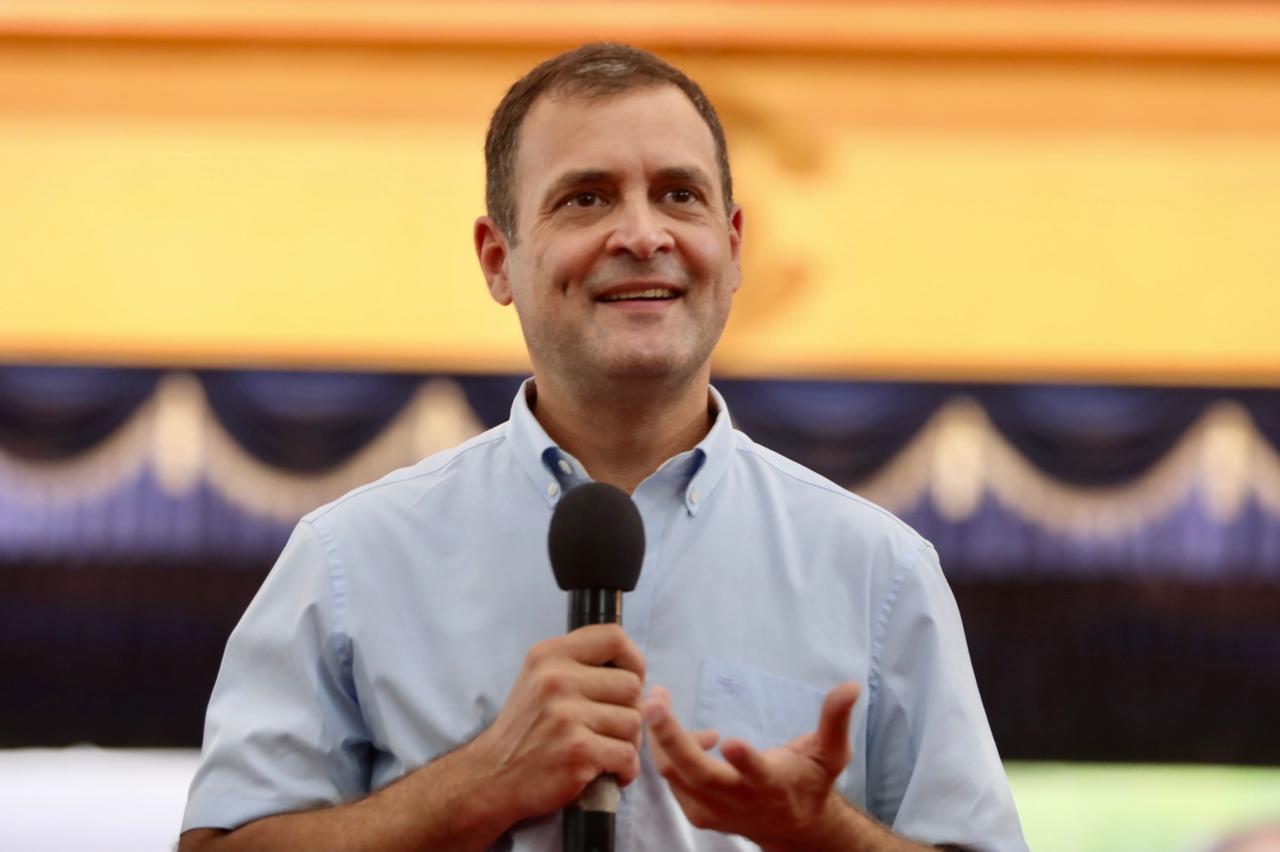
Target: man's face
(626, 260)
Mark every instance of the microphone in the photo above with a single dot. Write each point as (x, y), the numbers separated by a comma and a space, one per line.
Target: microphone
(596, 543)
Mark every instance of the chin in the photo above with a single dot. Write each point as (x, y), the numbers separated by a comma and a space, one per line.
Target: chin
(651, 368)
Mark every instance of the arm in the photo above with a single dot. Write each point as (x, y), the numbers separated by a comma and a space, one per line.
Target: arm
(933, 771)
(566, 721)
(782, 799)
(928, 719)
(439, 806)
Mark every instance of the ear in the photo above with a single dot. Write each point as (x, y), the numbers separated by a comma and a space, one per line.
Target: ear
(492, 252)
(735, 243)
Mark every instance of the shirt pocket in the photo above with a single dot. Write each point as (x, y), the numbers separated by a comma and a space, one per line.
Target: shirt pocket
(763, 709)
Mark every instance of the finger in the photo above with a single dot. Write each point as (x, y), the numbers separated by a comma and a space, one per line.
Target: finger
(684, 758)
(749, 762)
(663, 763)
(610, 720)
(597, 644)
(662, 695)
(615, 757)
(832, 736)
(610, 686)
(707, 739)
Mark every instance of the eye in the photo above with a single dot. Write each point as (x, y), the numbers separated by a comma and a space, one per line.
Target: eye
(682, 195)
(583, 199)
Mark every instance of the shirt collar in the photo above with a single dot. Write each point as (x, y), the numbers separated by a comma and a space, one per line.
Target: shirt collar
(554, 471)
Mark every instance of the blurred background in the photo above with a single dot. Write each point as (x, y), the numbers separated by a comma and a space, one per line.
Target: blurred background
(1011, 270)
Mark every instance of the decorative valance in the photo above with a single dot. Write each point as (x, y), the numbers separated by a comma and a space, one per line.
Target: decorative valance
(105, 464)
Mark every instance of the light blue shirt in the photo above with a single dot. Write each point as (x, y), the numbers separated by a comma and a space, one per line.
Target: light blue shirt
(395, 621)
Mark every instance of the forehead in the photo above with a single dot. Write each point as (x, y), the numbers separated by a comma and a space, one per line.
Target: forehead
(653, 127)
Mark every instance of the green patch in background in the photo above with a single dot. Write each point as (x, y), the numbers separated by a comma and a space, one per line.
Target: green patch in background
(1092, 807)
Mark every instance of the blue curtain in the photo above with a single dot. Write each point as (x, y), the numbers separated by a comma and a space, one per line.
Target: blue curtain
(844, 430)
(305, 422)
(50, 413)
(1092, 435)
(1264, 408)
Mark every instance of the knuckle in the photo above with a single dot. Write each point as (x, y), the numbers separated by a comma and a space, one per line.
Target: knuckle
(584, 775)
(633, 725)
(612, 639)
(633, 659)
(617, 638)
(699, 777)
(537, 653)
(699, 816)
(579, 754)
(553, 683)
(633, 690)
(560, 714)
(630, 772)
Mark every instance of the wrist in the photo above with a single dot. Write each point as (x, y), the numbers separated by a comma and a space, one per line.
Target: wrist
(831, 828)
(482, 803)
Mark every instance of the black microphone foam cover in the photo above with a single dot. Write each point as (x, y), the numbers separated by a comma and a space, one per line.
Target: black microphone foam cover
(596, 539)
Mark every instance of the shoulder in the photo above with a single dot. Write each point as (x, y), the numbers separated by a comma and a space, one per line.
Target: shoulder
(825, 508)
(449, 475)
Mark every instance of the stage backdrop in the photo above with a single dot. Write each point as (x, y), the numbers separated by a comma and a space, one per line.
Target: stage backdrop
(932, 189)
(942, 199)
(1115, 550)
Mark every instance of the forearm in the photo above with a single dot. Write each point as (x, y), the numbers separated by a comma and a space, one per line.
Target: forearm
(567, 720)
(445, 805)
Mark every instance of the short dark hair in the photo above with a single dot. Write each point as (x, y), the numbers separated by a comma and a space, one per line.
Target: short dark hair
(591, 71)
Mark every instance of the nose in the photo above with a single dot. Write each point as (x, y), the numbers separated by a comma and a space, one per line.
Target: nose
(639, 231)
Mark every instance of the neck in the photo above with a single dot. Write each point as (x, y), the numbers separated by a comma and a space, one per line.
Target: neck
(624, 435)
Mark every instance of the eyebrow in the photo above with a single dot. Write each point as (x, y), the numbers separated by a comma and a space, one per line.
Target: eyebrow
(686, 174)
(580, 177)
(569, 180)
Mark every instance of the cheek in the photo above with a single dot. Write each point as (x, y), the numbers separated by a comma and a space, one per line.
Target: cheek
(710, 258)
(563, 263)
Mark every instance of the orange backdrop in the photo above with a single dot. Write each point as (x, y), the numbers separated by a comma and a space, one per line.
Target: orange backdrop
(932, 190)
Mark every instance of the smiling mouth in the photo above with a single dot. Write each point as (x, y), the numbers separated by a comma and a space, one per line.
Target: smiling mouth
(656, 294)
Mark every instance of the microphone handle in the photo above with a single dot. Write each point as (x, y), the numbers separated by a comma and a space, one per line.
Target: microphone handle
(594, 606)
(589, 821)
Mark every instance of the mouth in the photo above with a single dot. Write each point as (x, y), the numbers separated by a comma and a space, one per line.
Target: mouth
(650, 294)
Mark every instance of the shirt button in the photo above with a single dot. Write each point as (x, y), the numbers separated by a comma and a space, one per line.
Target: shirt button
(552, 489)
(693, 496)
(565, 467)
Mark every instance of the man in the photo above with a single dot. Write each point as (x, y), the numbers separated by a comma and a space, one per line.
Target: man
(402, 681)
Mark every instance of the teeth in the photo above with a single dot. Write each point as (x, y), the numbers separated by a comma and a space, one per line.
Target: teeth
(656, 293)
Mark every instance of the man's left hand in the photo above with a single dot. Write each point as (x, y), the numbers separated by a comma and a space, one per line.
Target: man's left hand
(781, 798)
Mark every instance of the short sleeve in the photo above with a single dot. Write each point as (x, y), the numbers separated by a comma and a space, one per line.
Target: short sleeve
(933, 772)
(283, 730)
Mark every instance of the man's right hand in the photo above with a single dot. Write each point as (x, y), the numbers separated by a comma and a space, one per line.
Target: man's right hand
(568, 719)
